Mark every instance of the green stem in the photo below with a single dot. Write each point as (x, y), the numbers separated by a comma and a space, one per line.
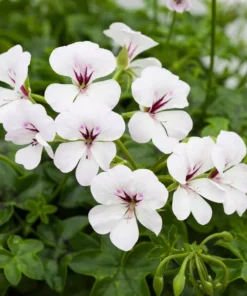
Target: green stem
(165, 178)
(18, 170)
(159, 161)
(221, 264)
(160, 167)
(167, 259)
(59, 187)
(174, 17)
(172, 187)
(209, 95)
(155, 11)
(117, 74)
(39, 99)
(223, 234)
(127, 115)
(192, 279)
(126, 153)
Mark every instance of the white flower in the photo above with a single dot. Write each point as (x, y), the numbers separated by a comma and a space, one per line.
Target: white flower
(179, 5)
(30, 124)
(13, 71)
(83, 62)
(125, 197)
(91, 128)
(157, 91)
(135, 43)
(231, 175)
(189, 160)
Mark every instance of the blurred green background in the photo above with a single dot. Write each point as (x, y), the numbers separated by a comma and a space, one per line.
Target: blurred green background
(41, 25)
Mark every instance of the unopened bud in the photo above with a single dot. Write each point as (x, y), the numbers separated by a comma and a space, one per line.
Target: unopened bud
(158, 284)
(179, 283)
(123, 58)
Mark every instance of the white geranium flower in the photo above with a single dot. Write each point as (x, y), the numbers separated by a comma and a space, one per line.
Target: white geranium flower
(179, 5)
(189, 160)
(13, 71)
(155, 97)
(83, 62)
(30, 124)
(92, 128)
(231, 175)
(135, 43)
(126, 197)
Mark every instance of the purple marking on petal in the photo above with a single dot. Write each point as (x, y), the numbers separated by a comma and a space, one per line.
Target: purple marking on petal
(158, 104)
(24, 91)
(194, 171)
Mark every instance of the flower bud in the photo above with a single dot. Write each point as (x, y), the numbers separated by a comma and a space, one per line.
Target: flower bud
(158, 284)
(179, 283)
(123, 58)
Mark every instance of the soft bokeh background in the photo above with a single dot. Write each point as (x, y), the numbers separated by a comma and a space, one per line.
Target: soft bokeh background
(41, 25)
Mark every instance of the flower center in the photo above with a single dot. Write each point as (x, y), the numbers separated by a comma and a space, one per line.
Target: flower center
(159, 103)
(192, 172)
(130, 200)
(83, 76)
(89, 136)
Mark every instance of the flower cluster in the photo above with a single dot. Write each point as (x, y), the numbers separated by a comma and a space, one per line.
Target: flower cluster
(87, 131)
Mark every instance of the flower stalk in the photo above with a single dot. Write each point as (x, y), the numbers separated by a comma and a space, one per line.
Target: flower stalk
(126, 153)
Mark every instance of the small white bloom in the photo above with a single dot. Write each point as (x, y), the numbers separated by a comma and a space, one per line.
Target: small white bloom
(179, 5)
(188, 161)
(13, 71)
(157, 91)
(83, 62)
(230, 174)
(126, 197)
(135, 43)
(30, 124)
(91, 128)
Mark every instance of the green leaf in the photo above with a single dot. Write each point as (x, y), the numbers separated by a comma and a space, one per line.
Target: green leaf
(31, 266)
(114, 270)
(4, 285)
(216, 125)
(12, 273)
(6, 212)
(5, 258)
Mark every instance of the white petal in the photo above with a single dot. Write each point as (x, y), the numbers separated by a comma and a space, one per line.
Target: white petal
(236, 177)
(111, 125)
(20, 136)
(104, 186)
(149, 218)
(178, 124)
(6, 108)
(162, 140)
(218, 158)
(143, 91)
(140, 64)
(86, 170)
(49, 151)
(200, 209)
(29, 156)
(235, 200)
(103, 153)
(208, 189)
(177, 163)
(233, 146)
(125, 234)
(104, 92)
(141, 127)
(61, 96)
(104, 218)
(68, 155)
(181, 205)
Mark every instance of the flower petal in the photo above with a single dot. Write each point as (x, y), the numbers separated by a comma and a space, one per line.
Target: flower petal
(104, 92)
(200, 209)
(178, 124)
(162, 140)
(61, 96)
(125, 234)
(68, 155)
(149, 218)
(86, 170)
(140, 64)
(218, 158)
(207, 189)
(141, 127)
(104, 218)
(233, 146)
(236, 177)
(104, 186)
(103, 153)
(181, 205)
(29, 156)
